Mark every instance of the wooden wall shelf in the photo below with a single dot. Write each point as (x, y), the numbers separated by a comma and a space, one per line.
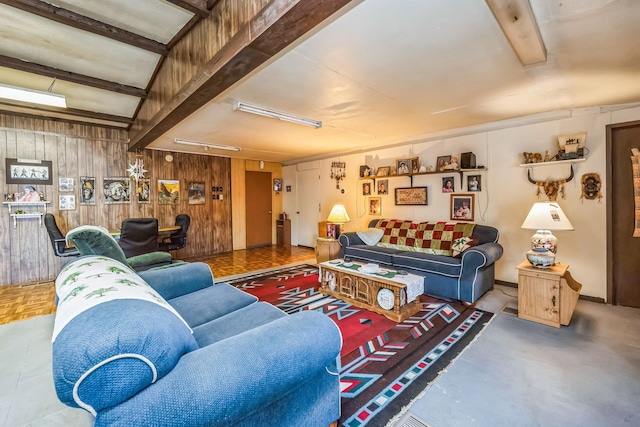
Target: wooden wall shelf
(555, 162)
(38, 212)
(411, 175)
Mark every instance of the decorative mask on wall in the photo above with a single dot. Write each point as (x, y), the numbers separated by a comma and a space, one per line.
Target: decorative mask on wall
(549, 187)
(591, 185)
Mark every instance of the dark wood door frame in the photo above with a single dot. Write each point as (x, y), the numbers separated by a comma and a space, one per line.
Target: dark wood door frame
(610, 129)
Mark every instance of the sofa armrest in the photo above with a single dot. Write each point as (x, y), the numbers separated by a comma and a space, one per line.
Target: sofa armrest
(179, 280)
(482, 255)
(348, 239)
(221, 383)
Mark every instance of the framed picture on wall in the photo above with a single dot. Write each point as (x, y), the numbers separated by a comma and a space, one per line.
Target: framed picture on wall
(168, 192)
(87, 190)
(462, 207)
(67, 202)
(474, 183)
(196, 193)
(375, 206)
(383, 186)
(65, 185)
(117, 190)
(411, 196)
(20, 171)
(144, 190)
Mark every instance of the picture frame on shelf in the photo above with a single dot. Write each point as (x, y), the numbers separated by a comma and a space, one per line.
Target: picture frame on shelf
(383, 171)
(405, 166)
(365, 171)
(375, 206)
(441, 162)
(20, 171)
(462, 207)
(411, 196)
(474, 183)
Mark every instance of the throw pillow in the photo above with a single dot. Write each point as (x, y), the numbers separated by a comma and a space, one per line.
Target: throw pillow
(370, 236)
(462, 244)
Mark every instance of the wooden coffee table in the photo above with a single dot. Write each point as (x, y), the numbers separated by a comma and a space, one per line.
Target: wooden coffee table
(386, 292)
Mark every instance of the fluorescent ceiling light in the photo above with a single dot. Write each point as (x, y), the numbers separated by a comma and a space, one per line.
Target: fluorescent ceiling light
(262, 111)
(519, 26)
(32, 96)
(206, 145)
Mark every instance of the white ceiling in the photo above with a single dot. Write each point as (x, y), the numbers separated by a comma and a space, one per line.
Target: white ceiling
(393, 71)
(385, 72)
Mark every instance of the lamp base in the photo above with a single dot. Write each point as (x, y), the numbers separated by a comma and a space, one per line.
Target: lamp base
(541, 258)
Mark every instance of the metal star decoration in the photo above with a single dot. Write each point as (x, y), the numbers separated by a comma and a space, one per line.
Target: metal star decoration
(137, 170)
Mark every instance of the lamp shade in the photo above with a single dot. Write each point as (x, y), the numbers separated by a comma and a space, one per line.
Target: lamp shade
(338, 215)
(547, 216)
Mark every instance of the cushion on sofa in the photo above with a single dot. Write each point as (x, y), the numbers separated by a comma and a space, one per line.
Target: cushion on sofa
(113, 334)
(462, 244)
(370, 236)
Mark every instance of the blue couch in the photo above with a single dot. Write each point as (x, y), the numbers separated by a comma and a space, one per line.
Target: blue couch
(168, 347)
(465, 277)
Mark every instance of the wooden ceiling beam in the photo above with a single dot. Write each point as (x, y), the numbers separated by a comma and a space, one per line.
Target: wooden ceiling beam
(85, 23)
(43, 70)
(18, 107)
(197, 7)
(274, 28)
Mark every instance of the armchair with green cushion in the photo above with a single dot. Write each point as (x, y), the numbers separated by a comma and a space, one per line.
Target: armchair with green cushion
(96, 240)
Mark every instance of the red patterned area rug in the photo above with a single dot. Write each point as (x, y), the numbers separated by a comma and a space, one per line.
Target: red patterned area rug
(384, 364)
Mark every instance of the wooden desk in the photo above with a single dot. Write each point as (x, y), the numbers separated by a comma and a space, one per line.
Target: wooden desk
(162, 230)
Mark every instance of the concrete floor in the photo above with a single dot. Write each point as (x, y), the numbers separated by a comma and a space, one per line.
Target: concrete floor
(521, 373)
(516, 373)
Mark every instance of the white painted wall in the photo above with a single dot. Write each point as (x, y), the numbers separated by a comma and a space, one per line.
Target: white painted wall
(506, 195)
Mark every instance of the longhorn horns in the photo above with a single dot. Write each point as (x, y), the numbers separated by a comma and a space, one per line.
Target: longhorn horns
(542, 182)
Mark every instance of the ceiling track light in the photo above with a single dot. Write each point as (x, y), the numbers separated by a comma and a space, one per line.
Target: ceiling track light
(266, 112)
(32, 96)
(518, 24)
(206, 145)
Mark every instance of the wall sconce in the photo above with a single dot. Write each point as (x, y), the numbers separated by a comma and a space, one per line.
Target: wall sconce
(337, 172)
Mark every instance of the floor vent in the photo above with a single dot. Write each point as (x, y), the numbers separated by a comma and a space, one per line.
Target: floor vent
(31, 284)
(510, 310)
(411, 420)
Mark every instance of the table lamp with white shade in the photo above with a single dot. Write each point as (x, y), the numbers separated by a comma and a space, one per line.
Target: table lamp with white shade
(338, 216)
(544, 217)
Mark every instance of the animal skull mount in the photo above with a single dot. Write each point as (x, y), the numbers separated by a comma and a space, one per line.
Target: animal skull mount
(550, 188)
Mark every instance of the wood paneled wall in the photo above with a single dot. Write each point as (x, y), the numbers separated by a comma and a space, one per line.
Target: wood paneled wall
(80, 150)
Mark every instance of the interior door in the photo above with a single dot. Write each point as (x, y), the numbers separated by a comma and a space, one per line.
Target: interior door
(308, 207)
(258, 204)
(623, 281)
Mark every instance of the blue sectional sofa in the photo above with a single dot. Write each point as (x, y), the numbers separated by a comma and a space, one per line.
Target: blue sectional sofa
(168, 347)
(427, 249)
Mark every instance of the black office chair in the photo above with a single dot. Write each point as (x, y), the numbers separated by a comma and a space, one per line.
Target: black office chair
(177, 239)
(139, 236)
(58, 241)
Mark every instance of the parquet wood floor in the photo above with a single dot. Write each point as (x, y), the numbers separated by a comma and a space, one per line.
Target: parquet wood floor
(23, 301)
